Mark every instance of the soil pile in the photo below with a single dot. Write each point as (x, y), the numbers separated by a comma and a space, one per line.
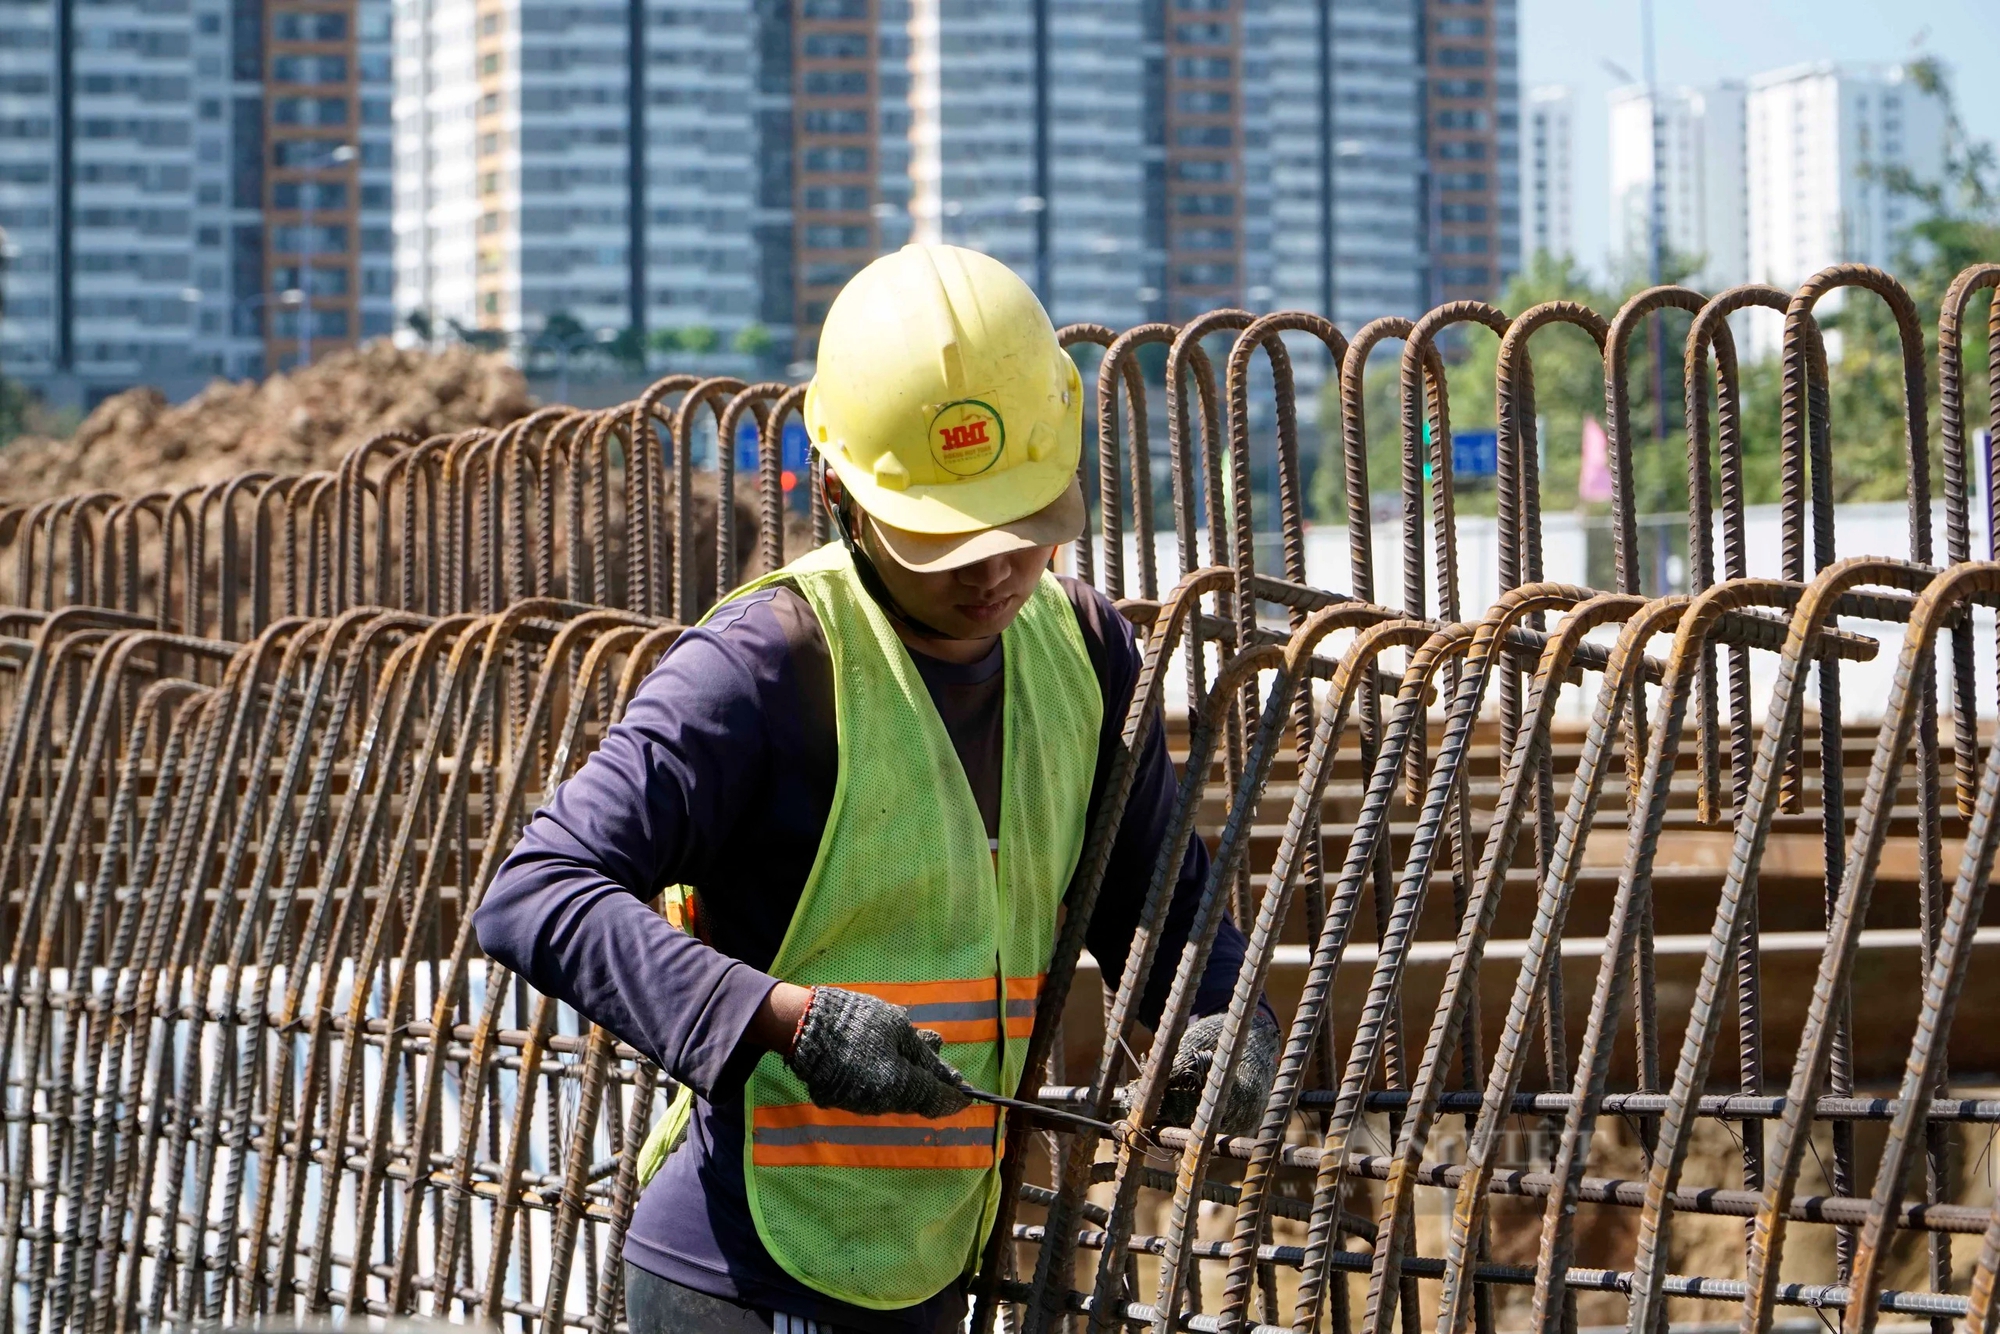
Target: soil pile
(290, 423)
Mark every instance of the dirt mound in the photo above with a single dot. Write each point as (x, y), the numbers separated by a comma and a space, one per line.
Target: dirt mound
(290, 423)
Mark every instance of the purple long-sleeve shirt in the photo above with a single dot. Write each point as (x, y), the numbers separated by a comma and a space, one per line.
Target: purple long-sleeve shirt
(720, 776)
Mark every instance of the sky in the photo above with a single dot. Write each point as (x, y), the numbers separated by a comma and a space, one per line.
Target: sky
(1700, 41)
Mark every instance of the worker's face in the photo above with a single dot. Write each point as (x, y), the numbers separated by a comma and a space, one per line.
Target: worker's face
(971, 602)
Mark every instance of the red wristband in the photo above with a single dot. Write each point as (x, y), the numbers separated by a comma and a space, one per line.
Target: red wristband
(800, 1027)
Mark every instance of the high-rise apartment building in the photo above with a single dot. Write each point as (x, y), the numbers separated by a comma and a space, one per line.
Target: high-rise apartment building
(596, 161)
(1335, 159)
(1471, 84)
(1026, 139)
(1703, 215)
(1548, 173)
(191, 189)
(1135, 158)
(1820, 139)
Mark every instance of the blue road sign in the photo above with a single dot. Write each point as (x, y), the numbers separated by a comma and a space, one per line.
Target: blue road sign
(1475, 453)
(792, 453)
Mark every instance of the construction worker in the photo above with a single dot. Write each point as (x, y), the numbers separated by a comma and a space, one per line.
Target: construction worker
(874, 770)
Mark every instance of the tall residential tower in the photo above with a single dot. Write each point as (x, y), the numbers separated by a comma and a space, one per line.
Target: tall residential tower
(1702, 209)
(1548, 174)
(645, 165)
(1821, 141)
(191, 188)
(1471, 86)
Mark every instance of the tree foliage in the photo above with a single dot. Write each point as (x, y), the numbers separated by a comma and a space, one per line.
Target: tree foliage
(1959, 226)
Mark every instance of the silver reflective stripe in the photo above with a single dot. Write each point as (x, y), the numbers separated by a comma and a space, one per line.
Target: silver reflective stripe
(919, 1136)
(949, 1012)
(1021, 1009)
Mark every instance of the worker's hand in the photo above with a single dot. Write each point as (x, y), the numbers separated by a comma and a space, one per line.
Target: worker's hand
(1243, 1101)
(860, 1054)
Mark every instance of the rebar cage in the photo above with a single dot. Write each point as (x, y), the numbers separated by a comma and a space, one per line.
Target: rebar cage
(267, 741)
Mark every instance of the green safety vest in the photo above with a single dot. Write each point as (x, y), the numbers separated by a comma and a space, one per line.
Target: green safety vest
(907, 901)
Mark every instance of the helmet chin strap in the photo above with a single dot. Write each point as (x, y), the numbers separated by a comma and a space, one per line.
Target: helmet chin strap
(871, 578)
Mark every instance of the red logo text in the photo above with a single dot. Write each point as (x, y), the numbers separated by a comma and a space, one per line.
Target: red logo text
(966, 436)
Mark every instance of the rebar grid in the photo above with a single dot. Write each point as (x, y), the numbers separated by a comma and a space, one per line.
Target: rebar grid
(268, 740)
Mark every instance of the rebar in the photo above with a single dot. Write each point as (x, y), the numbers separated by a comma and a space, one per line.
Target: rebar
(267, 740)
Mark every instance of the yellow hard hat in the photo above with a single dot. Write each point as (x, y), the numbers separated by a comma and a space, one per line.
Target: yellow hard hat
(947, 408)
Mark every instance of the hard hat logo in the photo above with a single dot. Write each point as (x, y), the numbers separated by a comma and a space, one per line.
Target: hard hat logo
(942, 397)
(967, 437)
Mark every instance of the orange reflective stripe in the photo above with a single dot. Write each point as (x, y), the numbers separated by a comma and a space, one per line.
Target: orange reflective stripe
(802, 1135)
(909, 994)
(1022, 995)
(956, 1011)
(965, 1011)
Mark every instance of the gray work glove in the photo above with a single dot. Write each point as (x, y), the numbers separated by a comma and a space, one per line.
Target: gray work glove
(1243, 1101)
(859, 1054)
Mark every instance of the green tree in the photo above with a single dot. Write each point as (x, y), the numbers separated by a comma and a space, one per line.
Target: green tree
(15, 407)
(560, 329)
(664, 341)
(486, 340)
(753, 340)
(1569, 387)
(698, 339)
(1959, 226)
(628, 349)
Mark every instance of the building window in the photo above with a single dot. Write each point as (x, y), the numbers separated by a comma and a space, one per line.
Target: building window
(325, 281)
(836, 45)
(836, 122)
(309, 110)
(1204, 102)
(1466, 120)
(298, 27)
(309, 69)
(836, 198)
(304, 194)
(836, 83)
(1462, 150)
(1202, 67)
(1204, 136)
(1202, 34)
(836, 159)
(1205, 205)
(1465, 275)
(1461, 57)
(1462, 180)
(1462, 212)
(1461, 27)
(1459, 87)
(1476, 244)
(1206, 238)
(329, 239)
(836, 238)
(1205, 275)
(828, 275)
(1202, 169)
(836, 9)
